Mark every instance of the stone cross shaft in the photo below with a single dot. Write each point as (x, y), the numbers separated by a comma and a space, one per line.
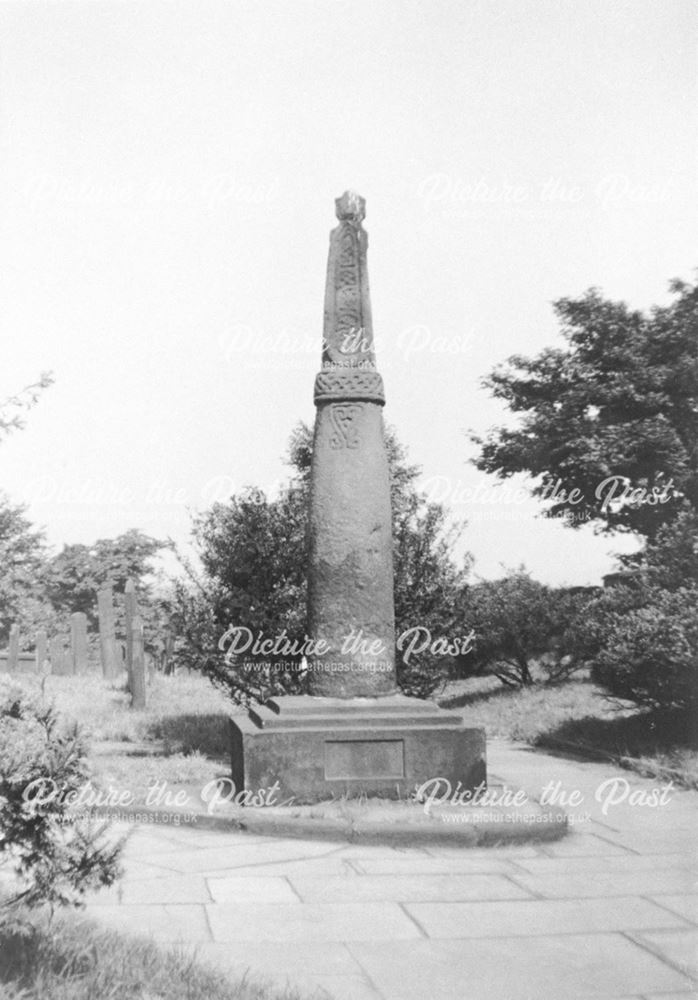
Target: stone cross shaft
(350, 581)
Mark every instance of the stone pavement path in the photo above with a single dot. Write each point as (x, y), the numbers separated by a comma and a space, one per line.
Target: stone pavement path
(611, 911)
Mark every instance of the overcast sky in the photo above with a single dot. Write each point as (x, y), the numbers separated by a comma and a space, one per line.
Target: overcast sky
(167, 183)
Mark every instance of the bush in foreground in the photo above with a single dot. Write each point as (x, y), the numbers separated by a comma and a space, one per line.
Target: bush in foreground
(42, 765)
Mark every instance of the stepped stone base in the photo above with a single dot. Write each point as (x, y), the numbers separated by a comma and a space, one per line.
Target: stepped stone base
(320, 748)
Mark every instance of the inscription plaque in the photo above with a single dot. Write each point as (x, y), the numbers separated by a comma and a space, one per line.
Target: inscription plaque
(350, 759)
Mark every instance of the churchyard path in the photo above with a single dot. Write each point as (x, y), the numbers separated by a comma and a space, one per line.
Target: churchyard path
(610, 911)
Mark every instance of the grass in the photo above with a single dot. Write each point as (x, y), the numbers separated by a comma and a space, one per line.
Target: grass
(184, 711)
(187, 718)
(181, 738)
(578, 717)
(72, 958)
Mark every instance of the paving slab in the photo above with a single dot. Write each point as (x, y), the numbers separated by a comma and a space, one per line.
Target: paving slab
(574, 966)
(503, 851)
(678, 947)
(608, 863)
(593, 883)
(263, 889)
(405, 888)
(535, 917)
(689, 993)
(311, 922)
(581, 844)
(169, 890)
(235, 851)
(685, 905)
(341, 978)
(457, 864)
(299, 866)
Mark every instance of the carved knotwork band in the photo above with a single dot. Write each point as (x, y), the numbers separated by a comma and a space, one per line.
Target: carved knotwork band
(340, 385)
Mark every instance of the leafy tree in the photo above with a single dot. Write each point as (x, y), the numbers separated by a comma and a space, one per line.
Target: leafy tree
(21, 546)
(254, 553)
(670, 561)
(13, 408)
(613, 417)
(21, 558)
(650, 654)
(73, 576)
(520, 623)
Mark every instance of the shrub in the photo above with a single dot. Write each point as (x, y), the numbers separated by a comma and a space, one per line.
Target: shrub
(253, 550)
(56, 860)
(519, 623)
(650, 653)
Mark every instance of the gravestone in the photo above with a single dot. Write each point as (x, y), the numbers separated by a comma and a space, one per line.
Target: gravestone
(41, 650)
(355, 733)
(107, 641)
(13, 649)
(78, 642)
(58, 656)
(130, 613)
(137, 664)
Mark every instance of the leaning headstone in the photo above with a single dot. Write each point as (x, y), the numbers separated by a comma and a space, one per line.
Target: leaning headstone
(356, 734)
(13, 649)
(137, 664)
(78, 642)
(40, 650)
(130, 613)
(107, 641)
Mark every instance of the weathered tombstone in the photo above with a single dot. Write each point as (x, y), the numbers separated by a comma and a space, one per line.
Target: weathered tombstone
(40, 650)
(78, 642)
(57, 655)
(355, 734)
(107, 641)
(130, 613)
(137, 664)
(167, 661)
(13, 649)
(150, 663)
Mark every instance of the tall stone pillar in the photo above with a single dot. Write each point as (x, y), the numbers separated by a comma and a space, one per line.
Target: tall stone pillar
(350, 573)
(354, 734)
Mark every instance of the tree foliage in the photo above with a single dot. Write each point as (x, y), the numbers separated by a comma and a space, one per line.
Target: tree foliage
(72, 578)
(254, 553)
(520, 623)
(650, 653)
(42, 764)
(14, 408)
(22, 554)
(614, 416)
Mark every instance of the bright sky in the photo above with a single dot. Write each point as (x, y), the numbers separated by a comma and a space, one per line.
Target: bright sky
(167, 183)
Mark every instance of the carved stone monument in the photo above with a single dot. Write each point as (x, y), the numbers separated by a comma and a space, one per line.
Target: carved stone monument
(354, 734)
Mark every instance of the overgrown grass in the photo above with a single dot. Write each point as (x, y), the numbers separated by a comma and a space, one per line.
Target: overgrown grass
(185, 711)
(181, 738)
(72, 958)
(578, 717)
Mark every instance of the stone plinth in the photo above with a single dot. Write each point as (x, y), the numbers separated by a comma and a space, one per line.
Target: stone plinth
(321, 748)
